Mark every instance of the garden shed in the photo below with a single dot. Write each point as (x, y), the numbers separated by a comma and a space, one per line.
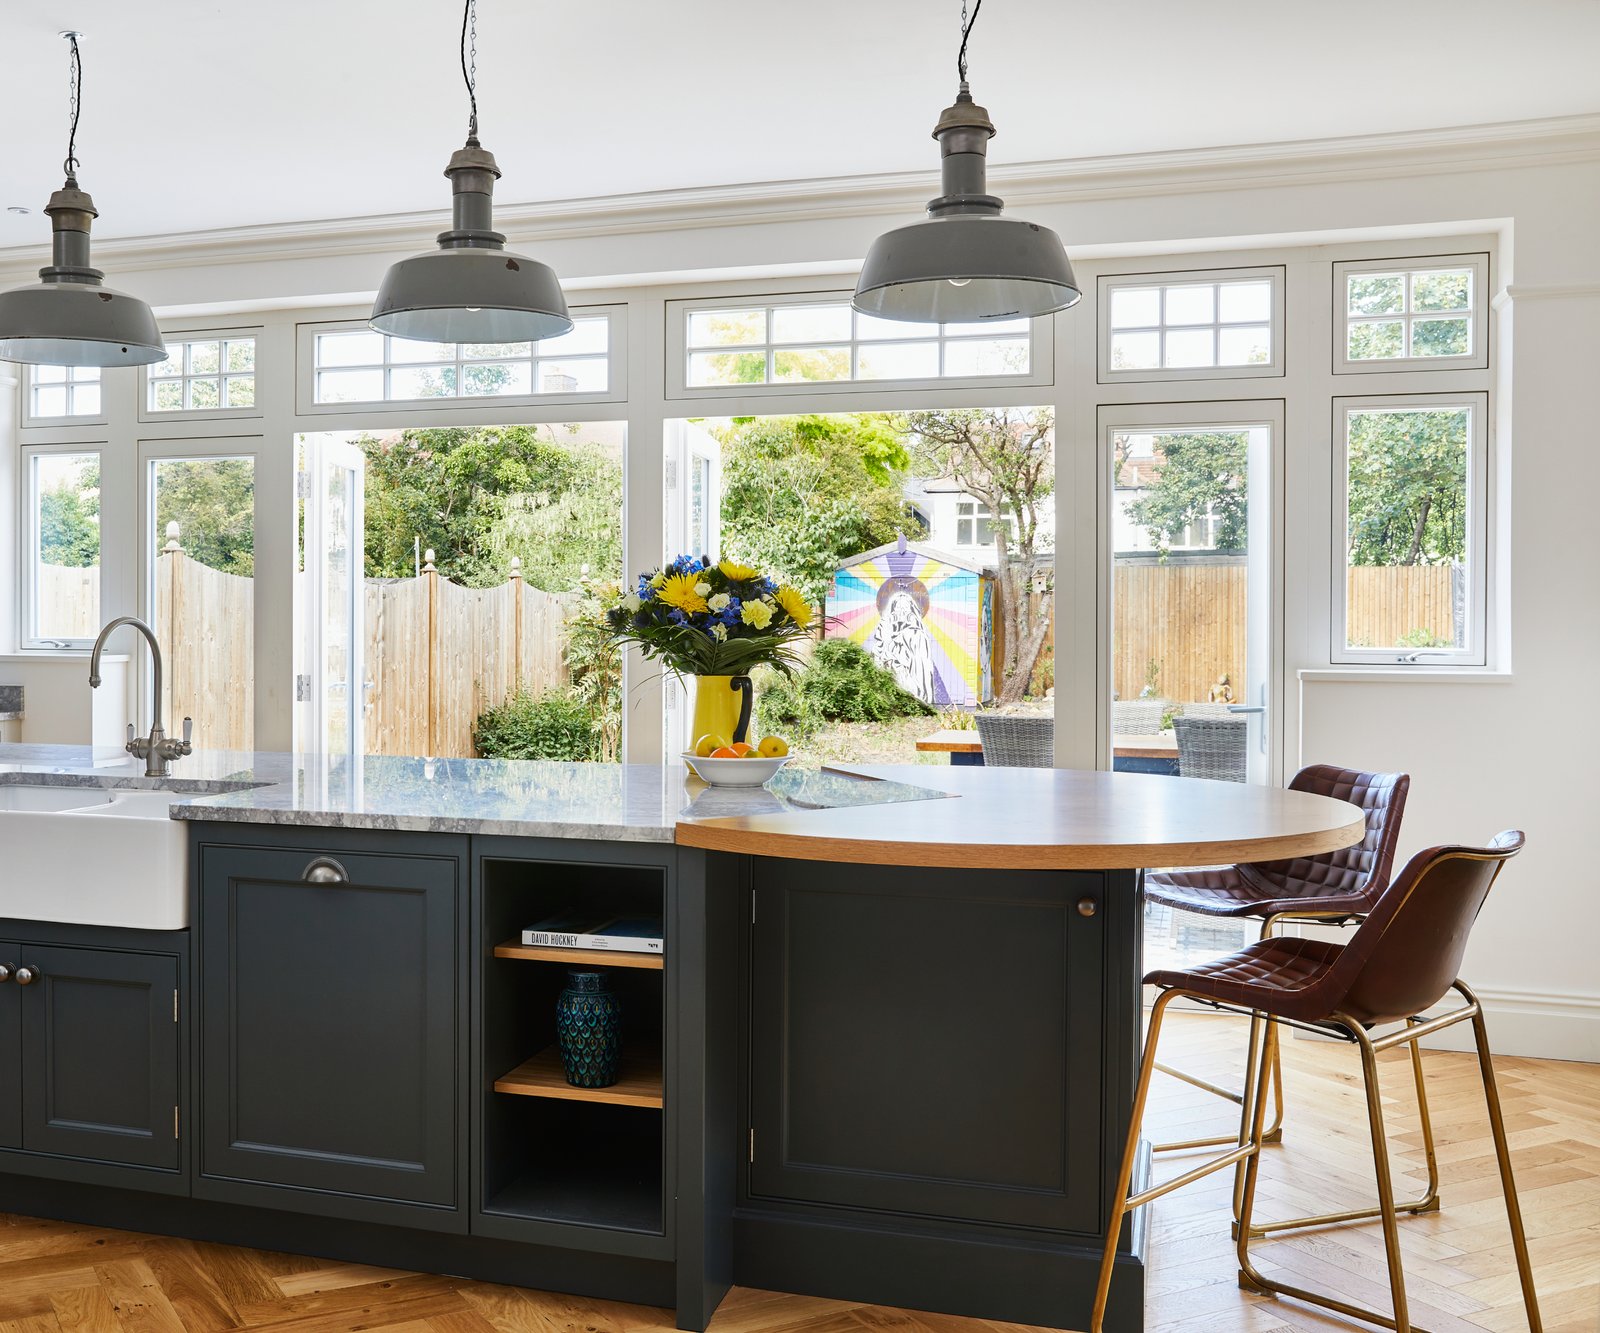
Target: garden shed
(923, 614)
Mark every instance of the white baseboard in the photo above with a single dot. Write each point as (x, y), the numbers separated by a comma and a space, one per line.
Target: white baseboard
(1551, 1025)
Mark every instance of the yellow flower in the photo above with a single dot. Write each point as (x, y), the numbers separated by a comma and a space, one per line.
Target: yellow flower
(737, 573)
(658, 578)
(757, 614)
(794, 602)
(678, 590)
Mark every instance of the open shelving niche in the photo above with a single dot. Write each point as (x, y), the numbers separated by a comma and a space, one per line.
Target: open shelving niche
(553, 1152)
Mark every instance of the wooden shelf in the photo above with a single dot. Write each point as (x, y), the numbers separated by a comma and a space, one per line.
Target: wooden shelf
(638, 1082)
(539, 953)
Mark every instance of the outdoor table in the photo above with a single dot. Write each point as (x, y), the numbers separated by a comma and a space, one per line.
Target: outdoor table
(1156, 753)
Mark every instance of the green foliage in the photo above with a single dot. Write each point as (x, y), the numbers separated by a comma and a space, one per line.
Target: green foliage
(554, 725)
(69, 521)
(1408, 486)
(1423, 638)
(479, 495)
(212, 500)
(1201, 472)
(594, 660)
(802, 494)
(841, 684)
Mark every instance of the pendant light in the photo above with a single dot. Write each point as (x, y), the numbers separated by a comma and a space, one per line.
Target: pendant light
(964, 262)
(471, 289)
(67, 318)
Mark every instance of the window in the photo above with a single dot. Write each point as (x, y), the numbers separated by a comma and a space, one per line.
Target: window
(1415, 313)
(1226, 324)
(975, 524)
(62, 592)
(57, 393)
(824, 344)
(1410, 529)
(355, 365)
(204, 375)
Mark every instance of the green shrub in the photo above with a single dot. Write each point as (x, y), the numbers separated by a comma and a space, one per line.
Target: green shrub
(841, 684)
(554, 725)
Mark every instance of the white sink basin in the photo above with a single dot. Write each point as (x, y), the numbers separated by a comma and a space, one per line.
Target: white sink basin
(92, 857)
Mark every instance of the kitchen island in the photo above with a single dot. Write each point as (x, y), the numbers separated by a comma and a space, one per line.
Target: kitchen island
(887, 1054)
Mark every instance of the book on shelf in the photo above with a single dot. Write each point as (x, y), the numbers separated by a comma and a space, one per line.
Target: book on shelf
(596, 930)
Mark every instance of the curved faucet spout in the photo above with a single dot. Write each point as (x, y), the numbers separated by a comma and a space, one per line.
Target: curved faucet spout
(155, 656)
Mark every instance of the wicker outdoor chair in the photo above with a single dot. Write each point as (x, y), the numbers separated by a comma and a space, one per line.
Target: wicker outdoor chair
(1212, 747)
(1137, 717)
(1206, 710)
(1017, 741)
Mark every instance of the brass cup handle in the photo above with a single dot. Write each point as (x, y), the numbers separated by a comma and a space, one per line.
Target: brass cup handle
(325, 870)
(26, 976)
(1087, 907)
(5, 972)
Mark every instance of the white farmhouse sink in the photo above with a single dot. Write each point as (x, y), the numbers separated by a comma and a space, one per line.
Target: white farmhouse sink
(92, 857)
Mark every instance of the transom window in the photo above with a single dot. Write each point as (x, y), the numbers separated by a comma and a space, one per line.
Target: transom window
(1417, 313)
(204, 375)
(1191, 326)
(742, 345)
(56, 392)
(357, 365)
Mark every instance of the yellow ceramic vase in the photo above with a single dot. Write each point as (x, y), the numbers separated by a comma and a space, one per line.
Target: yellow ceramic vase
(722, 707)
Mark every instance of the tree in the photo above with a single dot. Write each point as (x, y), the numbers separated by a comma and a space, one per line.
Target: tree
(802, 494)
(69, 520)
(212, 500)
(1005, 458)
(1200, 473)
(1408, 487)
(479, 495)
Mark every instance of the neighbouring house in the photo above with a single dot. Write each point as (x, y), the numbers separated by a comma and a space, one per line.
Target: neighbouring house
(961, 523)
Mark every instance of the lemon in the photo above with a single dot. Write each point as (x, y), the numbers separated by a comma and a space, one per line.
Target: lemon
(704, 747)
(773, 747)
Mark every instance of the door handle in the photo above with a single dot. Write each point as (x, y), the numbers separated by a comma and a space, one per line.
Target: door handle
(1247, 708)
(325, 870)
(26, 976)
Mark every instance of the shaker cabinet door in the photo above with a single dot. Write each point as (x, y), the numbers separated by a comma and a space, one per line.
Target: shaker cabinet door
(99, 1055)
(10, 1049)
(329, 1025)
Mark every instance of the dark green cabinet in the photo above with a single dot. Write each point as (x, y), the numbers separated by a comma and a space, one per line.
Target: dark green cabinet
(89, 1049)
(928, 1043)
(331, 1007)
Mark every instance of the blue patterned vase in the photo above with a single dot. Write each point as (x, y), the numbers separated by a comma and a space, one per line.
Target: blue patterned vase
(589, 1030)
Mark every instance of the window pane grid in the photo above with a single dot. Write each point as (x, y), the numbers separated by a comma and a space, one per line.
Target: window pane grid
(63, 547)
(821, 342)
(63, 391)
(1210, 325)
(355, 366)
(203, 375)
(1410, 314)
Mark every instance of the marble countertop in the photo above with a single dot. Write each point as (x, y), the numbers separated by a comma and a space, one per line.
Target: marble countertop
(529, 798)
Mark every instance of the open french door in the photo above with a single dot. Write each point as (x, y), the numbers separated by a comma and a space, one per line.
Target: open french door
(329, 598)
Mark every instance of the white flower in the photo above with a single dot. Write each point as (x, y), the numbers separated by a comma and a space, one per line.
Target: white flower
(704, 589)
(631, 603)
(719, 632)
(719, 602)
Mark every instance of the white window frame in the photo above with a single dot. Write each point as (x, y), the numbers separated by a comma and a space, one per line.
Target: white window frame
(148, 413)
(1110, 282)
(28, 420)
(1476, 358)
(1041, 353)
(616, 390)
(1479, 461)
(28, 545)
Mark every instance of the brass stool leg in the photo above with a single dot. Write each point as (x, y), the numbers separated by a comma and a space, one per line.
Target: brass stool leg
(1122, 1203)
(1251, 1278)
(1502, 1152)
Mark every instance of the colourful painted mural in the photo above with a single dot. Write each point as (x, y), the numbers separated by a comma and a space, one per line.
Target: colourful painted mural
(924, 615)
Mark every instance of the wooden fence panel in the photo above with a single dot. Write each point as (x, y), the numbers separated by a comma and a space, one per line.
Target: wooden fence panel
(1388, 603)
(396, 650)
(1189, 618)
(205, 621)
(69, 601)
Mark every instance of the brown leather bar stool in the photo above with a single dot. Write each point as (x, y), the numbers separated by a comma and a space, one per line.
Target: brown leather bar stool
(1333, 888)
(1401, 961)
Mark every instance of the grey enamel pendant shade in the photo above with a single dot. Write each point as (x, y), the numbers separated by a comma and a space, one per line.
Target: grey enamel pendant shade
(471, 289)
(68, 318)
(965, 262)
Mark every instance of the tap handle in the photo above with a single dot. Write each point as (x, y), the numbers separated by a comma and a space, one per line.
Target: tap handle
(130, 733)
(188, 732)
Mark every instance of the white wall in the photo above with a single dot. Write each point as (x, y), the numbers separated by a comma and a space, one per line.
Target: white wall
(1514, 747)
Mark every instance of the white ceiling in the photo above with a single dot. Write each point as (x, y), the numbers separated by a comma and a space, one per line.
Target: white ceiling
(224, 113)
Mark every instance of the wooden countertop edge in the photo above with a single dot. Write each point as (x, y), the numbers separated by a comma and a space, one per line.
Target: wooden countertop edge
(730, 837)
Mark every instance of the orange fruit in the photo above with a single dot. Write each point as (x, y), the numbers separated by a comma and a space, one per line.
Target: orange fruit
(742, 748)
(726, 752)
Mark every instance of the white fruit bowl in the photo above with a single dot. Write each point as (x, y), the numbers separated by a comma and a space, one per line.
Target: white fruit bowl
(746, 772)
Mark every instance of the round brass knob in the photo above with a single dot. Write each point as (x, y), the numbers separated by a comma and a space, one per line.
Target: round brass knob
(26, 976)
(1087, 907)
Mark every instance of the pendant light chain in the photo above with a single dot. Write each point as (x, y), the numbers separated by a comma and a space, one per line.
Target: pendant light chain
(469, 65)
(74, 106)
(966, 33)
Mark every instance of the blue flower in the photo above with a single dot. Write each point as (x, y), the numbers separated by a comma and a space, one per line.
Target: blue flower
(677, 617)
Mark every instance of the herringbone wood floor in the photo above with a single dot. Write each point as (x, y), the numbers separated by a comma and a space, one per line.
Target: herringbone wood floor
(58, 1278)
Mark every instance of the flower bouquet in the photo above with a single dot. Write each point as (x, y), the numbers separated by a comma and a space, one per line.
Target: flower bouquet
(714, 622)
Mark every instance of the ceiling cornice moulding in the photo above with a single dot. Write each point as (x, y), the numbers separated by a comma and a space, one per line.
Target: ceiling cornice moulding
(1521, 143)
